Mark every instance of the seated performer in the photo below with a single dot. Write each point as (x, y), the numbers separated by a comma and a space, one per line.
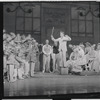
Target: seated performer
(62, 47)
(90, 56)
(55, 57)
(46, 56)
(77, 59)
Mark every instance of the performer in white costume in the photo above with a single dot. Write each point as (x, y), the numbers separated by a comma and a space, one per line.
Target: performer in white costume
(46, 56)
(77, 59)
(12, 66)
(62, 47)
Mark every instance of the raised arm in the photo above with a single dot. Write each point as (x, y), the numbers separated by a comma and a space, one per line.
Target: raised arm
(53, 39)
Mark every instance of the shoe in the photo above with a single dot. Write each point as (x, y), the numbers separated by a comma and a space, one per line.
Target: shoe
(32, 75)
(43, 71)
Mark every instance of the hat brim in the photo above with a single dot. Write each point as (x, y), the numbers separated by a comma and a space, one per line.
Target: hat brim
(88, 44)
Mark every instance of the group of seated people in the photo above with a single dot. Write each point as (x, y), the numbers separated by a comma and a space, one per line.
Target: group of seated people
(84, 57)
(21, 56)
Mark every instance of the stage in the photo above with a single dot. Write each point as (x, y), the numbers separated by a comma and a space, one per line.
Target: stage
(53, 84)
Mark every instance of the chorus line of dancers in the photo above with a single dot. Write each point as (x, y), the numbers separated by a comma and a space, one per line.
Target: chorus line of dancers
(21, 56)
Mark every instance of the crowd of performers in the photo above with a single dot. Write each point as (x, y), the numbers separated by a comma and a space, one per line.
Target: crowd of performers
(21, 56)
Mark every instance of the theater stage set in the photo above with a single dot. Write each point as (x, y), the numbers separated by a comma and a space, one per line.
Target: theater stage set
(39, 23)
(53, 84)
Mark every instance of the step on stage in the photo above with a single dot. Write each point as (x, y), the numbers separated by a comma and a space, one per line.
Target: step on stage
(53, 84)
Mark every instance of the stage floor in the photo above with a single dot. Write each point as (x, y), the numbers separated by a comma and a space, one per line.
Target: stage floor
(53, 84)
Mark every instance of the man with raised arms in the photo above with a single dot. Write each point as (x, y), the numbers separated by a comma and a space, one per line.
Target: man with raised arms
(62, 47)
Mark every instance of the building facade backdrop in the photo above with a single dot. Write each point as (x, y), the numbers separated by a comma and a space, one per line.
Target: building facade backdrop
(61, 16)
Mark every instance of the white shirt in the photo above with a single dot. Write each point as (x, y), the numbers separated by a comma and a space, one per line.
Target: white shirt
(47, 49)
(63, 42)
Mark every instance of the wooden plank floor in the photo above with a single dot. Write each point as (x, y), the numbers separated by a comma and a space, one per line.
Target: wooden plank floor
(53, 84)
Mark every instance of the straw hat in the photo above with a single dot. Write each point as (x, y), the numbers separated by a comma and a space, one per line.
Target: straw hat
(17, 41)
(88, 44)
(9, 37)
(12, 34)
